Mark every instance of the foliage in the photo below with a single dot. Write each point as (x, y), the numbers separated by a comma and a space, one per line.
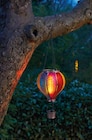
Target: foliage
(67, 49)
(50, 7)
(27, 117)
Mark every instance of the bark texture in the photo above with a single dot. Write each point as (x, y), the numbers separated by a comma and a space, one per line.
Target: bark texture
(21, 33)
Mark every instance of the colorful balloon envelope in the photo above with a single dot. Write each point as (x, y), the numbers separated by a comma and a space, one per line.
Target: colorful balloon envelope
(51, 83)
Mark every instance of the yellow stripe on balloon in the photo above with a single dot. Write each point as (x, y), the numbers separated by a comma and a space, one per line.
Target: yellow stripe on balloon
(50, 85)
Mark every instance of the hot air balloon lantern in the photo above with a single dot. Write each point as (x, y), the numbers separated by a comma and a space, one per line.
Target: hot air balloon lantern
(51, 82)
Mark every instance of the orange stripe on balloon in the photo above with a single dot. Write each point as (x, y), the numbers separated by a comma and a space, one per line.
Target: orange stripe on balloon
(50, 84)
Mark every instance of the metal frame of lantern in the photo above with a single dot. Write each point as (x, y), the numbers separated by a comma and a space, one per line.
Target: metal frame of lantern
(51, 82)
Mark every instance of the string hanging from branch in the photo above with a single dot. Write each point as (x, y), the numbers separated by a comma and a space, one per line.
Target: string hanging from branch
(51, 81)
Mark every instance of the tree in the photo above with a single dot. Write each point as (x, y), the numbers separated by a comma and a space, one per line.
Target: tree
(22, 32)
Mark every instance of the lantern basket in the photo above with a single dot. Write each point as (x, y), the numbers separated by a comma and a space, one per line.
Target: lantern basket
(51, 114)
(51, 82)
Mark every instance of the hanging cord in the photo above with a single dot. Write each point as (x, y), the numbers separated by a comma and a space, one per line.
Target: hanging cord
(53, 55)
(45, 61)
(51, 46)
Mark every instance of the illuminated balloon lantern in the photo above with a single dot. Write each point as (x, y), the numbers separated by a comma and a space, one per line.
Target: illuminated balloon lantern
(51, 83)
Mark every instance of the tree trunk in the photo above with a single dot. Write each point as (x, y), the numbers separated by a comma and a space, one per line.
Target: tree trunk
(21, 32)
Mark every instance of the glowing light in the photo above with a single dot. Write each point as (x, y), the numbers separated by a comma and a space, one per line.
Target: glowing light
(20, 71)
(51, 83)
(76, 66)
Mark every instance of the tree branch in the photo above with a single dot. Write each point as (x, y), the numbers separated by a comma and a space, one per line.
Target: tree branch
(57, 25)
(21, 35)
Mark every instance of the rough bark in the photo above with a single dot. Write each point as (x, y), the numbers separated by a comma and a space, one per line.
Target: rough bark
(22, 32)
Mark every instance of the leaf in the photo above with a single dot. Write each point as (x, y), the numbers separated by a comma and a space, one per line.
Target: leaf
(80, 136)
